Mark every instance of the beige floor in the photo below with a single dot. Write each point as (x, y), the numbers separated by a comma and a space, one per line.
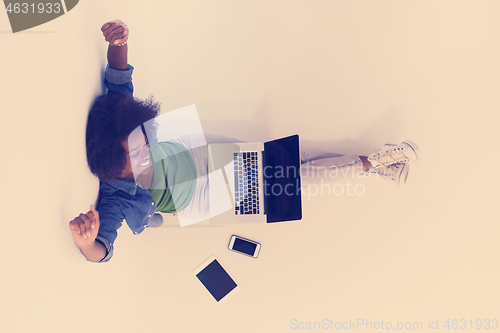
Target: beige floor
(352, 75)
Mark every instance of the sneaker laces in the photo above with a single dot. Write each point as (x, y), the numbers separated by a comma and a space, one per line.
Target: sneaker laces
(395, 154)
(386, 171)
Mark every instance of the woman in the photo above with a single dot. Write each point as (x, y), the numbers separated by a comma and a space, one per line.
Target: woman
(121, 156)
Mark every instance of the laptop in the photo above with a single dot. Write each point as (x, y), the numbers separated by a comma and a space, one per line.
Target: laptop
(255, 182)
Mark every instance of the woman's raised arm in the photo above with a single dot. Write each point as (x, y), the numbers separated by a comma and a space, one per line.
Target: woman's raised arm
(116, 33)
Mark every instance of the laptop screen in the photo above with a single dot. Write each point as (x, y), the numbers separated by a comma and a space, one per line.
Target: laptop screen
(281, 168)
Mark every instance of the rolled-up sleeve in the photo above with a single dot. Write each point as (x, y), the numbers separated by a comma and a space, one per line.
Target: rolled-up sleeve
(119, 82)
(155, 221)
(110, 218)
(108, 245)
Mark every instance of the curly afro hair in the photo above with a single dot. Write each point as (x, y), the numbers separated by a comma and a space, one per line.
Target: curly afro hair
(111, 119)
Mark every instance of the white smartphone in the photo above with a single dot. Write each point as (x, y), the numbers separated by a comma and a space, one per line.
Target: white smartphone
(244, 246)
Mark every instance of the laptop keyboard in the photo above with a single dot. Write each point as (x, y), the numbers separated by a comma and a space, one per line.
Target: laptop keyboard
(246, 183)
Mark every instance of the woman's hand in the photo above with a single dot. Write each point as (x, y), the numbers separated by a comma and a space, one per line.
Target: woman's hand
(84, 228)
(115, 32)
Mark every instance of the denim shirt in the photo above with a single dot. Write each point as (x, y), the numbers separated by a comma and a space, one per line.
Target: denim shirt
(122, 200)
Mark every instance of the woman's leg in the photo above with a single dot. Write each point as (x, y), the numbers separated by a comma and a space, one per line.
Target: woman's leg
(211, 138)
(319, 166)
(390, 162)
(198, 147)
(316, 164)
(333, 169)
(198, 209)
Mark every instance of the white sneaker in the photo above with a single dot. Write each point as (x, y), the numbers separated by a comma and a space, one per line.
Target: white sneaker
(405, 152)
(395, 172)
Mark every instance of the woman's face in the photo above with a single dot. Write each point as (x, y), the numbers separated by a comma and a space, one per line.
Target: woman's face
(138, 155)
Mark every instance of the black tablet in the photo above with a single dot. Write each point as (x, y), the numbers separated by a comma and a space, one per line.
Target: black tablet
(216, 279)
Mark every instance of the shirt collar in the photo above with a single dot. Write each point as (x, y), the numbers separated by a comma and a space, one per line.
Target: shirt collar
(124, 185)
